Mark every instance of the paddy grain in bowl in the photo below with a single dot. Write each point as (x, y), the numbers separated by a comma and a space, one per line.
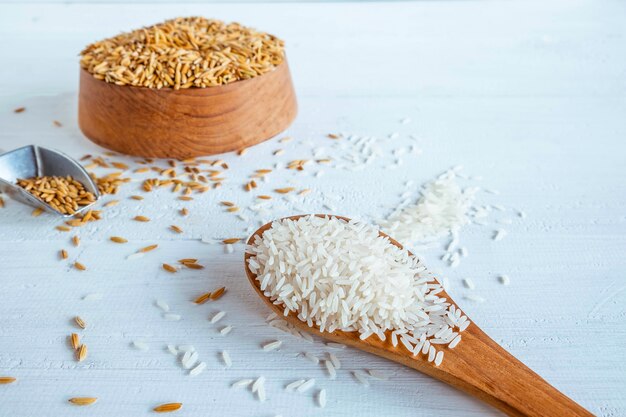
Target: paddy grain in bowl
(195, 100)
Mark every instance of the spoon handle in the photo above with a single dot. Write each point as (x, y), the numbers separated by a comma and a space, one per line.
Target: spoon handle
(482, 368)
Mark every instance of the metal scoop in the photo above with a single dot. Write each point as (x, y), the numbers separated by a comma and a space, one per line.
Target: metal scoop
(37, 161)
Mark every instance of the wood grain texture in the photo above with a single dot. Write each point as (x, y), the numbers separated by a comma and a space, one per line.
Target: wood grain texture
(189, 122)
(477, 365)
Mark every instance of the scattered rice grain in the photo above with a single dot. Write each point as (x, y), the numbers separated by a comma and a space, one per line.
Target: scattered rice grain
(272, 346)
(168, 407)
(82, 401)
(226, 358)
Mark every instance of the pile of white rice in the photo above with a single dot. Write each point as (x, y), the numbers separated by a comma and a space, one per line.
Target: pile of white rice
(443, 207)
(338, 275)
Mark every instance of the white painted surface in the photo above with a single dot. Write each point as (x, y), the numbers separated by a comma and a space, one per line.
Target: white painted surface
(532, 96)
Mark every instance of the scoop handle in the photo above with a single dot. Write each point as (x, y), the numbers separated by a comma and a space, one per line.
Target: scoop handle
(482, 368)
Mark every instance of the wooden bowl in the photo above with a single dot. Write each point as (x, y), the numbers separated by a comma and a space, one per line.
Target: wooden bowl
(185, 123)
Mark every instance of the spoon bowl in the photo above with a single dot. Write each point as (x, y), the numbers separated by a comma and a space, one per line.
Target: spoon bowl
(477, 365)
(36, 161)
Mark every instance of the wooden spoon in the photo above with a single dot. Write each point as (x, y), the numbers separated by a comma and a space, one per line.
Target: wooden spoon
(477, 365)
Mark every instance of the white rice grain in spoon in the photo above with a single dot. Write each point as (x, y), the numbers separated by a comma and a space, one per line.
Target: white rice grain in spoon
(432, 352)
(454, 342)
(439, 358)
(372, 258)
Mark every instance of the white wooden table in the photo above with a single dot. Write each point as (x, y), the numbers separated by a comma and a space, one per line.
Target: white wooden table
(529, 95)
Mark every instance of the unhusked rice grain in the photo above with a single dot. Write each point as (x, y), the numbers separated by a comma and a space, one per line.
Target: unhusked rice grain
(63, 194)
(82, 401)
(168, 407)
(185, 52)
